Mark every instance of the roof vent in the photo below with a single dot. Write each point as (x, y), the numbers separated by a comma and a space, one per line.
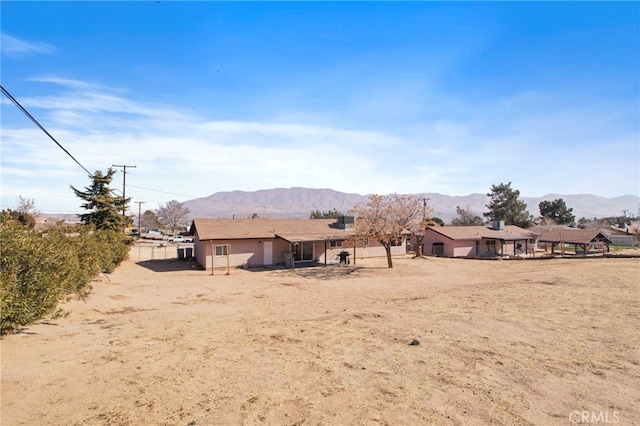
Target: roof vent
(346, 222)
(498, 225)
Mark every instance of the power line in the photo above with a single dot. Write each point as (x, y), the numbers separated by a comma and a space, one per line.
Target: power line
(21, 108)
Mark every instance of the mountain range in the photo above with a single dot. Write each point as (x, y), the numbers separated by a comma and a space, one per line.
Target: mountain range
(300, 202)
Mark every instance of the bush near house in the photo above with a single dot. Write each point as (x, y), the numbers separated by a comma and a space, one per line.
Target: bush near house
(40, 269)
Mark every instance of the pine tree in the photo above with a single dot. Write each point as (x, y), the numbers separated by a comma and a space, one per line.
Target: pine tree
(557, 211)
(505, 205)
(105, 209)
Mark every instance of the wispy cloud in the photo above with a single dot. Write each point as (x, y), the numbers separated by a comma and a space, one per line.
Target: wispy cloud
(174, 150)
(179, 152)
(13, 46)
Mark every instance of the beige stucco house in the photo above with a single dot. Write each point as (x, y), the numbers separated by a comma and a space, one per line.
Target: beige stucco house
(286, 242)
(477, 241)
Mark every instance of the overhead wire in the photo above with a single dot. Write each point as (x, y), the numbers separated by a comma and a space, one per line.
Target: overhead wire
(26, 113)
(21, 108)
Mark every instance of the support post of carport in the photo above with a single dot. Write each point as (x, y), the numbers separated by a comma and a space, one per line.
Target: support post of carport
(325, 252)
(293, 256)
(355, 243)
(212, 257)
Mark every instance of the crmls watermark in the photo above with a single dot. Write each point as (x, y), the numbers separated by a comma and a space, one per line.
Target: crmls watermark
(594, 417)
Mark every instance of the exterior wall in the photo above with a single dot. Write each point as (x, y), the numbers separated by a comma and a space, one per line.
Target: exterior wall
(201, 254)
(463, 248)
(241, 252)
(467, 248)
(374, 249)
(483, 248)
(332, 253)
(251, 253)
(453, 248)
(431, 237)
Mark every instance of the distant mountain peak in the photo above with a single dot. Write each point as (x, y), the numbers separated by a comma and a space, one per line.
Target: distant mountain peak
(300, 202)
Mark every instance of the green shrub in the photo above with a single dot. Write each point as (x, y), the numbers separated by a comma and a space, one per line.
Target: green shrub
(27, 271)
(38, 270)
(114, 248)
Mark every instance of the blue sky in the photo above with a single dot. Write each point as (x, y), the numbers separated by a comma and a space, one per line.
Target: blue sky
(360, 97)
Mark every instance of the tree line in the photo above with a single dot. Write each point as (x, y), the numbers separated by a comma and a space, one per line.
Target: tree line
(505, 205)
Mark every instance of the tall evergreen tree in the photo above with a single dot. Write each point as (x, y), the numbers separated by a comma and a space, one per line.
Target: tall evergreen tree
(105, 208)
(505, 205)
(557, 211)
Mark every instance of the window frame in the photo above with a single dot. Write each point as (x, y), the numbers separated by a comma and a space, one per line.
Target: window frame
(225, 249)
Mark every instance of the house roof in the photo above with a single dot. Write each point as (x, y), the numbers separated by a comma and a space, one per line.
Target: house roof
(292, 230)
(573, 236)
(508, 233)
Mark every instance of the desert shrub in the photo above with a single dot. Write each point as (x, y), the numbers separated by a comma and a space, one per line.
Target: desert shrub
(25, 219)
(26, 291)
(72, 252)
(114, 249)
(38, 270)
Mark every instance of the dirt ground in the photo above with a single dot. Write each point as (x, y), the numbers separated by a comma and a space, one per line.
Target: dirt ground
(160, 342)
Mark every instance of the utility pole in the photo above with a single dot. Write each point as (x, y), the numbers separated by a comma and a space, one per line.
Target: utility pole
(424, 208)
(423, 227)
(124, 188)
(140, 203)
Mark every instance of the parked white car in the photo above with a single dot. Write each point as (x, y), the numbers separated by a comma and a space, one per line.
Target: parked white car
(180, 239)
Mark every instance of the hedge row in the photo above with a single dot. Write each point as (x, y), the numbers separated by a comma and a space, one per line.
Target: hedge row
(38, 269)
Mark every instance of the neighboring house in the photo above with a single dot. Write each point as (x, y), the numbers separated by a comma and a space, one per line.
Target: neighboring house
(477, 241)
(288, 242)
(48, 222)
(582, 240)
(623, 234)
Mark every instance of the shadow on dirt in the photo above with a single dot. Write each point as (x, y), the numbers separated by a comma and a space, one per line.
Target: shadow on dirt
(170, 265)
(322, 272)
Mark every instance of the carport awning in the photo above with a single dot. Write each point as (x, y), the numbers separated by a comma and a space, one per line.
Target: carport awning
(509, 238)
(299, 238)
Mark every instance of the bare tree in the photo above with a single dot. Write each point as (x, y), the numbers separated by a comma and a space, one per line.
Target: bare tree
(27, 206)
(386, 218)
(419, 233)
(172, 214)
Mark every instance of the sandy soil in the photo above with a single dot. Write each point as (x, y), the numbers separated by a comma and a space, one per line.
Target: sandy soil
(501, 342)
